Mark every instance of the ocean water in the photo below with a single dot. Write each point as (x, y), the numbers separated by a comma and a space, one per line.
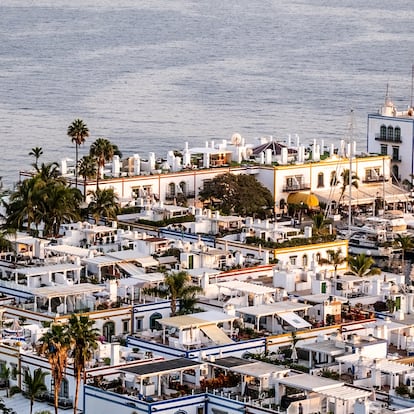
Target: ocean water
(151, 75)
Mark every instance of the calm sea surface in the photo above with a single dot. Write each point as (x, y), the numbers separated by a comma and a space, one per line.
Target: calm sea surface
(153, 74)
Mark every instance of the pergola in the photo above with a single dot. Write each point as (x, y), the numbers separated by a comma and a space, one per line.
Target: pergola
(47, 272)
(284, 310)
(262, 373)
(143, 375)
(322, 349)
(343, 395)
(189, 326)
(64, 291)
(246, 288)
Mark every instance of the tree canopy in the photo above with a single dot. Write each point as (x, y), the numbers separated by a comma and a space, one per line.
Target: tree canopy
(241, 194)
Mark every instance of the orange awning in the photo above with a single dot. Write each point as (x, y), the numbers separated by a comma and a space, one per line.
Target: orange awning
(309, 199)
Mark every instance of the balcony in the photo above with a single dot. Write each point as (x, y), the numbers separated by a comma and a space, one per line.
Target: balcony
(377, 179)
(296, 187)
(396, 140)
(186, 194)
(396, 159)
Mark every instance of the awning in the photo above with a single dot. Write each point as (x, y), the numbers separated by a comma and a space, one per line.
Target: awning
(216, 334)
(294, 320)
(309, 199)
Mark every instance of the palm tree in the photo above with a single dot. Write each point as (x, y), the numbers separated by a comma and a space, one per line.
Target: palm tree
(36, 152)
(103, 151)
(83, 343)
(61, 205)
(87, 170)
(35, 384)
(55, 346)
(104, 203)
(319, 223)
(176, 285)
(361, 266)
(405, 242)
(345, 182)
(335, 258)
(78, 131)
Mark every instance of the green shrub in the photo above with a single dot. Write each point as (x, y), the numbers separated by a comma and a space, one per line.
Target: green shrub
(14, 390)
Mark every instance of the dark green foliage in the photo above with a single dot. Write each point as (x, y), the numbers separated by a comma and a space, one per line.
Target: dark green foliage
(297, 241)
(240, 194)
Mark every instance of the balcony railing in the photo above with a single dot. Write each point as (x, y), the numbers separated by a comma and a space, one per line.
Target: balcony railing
(388, 139)
(378, 179)
(296, 187)
(186, 194)
(396, 159)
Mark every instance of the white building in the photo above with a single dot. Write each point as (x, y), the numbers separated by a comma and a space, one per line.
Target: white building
(391, 133)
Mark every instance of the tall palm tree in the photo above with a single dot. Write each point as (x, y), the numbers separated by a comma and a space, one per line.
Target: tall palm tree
(87, 169)
(103, 151)
(335, 258)
(55, 345)
(83, 343)
(362, 266)
(35, 384)
(36, 152)
(78, 131)
(176, 285)
(346, 179)
(104, 203)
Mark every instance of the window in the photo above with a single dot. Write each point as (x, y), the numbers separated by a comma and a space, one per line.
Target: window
(395, 154)
(372, 174)
(383, 132)
(320, 180)
(13, 371)
(171, 189)
(138, 324)
(125, 326)
(390, 133)
(397, 134)
(334, 178)
(108, 331)
(384, 150)
(305, 260)
(318, 257)
(293, 260)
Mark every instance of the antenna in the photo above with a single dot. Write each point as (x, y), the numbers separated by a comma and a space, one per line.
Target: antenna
(351, 136)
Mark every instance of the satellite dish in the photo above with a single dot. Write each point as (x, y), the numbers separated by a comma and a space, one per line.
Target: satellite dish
(236, 139)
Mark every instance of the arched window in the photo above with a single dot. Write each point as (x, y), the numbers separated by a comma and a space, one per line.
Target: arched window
(305, 260)
(397, 134)
(153, 321)
(108, 330)
(320, 180)
(383, 132)
(318, 257)
(183, 187)
(171, 189)
(390, 133)
(334, 178)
